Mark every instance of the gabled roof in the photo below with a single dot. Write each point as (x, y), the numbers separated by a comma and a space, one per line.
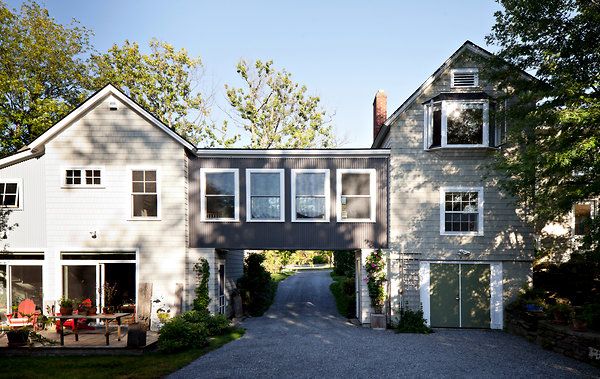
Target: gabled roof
(468, 45)
(35, 148)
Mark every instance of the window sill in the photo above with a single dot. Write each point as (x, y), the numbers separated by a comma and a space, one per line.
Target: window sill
(462, 234)
(144, 219)
(313, 221)
(82, 187)
(220, 220)
(462, 147)
(249, 220)
(359, 220)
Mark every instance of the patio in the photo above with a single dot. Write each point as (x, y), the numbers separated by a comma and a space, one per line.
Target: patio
(90, 342)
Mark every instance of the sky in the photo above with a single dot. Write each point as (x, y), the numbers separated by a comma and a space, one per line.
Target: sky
(343, 51)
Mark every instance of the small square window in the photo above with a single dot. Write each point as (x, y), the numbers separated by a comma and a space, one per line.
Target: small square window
(10, 194)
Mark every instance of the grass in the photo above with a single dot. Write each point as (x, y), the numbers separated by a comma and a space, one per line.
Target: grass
(344, 302)
(150, 365)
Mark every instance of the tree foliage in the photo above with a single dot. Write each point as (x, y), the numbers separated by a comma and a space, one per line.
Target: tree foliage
(43, 72)
(276, 111)
(167, 83)
(552, 156)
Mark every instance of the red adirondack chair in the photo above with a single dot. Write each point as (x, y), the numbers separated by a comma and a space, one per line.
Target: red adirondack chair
(26, 315)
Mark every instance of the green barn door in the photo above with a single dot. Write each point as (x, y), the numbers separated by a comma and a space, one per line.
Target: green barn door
(444, 295)
(475, 295)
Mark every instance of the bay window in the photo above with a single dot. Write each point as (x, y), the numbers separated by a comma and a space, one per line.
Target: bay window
(265, 195)
(310, 195)
(220, 194)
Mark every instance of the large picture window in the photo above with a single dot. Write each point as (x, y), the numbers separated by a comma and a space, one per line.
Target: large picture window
(220, 194)
(461, 211)
(356, 190)
(144, 194)
(265, 195)
(310, 195)
(11, 193)
(457, 123)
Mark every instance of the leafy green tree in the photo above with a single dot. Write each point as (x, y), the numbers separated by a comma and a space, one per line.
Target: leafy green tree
(43, 72)
(552, 156)
(276, 111)
(167, 83)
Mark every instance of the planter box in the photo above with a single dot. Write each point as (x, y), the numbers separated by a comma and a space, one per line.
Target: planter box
(136, 335)
(378, 321)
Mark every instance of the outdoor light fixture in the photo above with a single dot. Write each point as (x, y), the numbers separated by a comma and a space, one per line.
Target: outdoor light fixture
(464, 253)
(4, 237)
(93, 234)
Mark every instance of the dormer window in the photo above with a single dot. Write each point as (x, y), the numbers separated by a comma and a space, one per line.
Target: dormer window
(464, 77)
(458, 123)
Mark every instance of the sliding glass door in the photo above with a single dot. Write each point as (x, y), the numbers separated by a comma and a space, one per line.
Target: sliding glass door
(19, 282)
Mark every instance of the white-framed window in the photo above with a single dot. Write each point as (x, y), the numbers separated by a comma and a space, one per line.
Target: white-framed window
(265, 195)
(583, 213)
(310, 195)
(145, 193)
(11, 193)
(88, 177)
(461, 211)
(356, 195)
(464, 77)
(457, 123)
(220, 194)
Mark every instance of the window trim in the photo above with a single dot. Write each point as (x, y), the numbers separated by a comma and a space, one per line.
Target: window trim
(327, 193)
(19, 182)
(63, 183)
(249, 172)
(592, 205)
(480, 204)
(428, 125)
(236, 211)
(158, 193)
(466, 70)
(372, 193)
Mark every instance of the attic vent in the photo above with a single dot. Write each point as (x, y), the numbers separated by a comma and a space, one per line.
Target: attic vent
(112, 105)
(465, 77)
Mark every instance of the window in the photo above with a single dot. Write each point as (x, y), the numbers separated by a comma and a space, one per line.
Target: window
(83, 177)
(461, 211)
(356, 192)
(11, 194)
(582, 217)
(144, 194)
(310, 195)
(220, 194)
(265, 195)
(457, 123)
(464, 77)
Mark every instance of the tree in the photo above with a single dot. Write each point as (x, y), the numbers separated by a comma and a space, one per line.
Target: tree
(276, 111)
(165, 82)
(552, 159)
(43, 74)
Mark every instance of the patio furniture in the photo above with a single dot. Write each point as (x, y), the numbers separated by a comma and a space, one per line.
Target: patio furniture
(107, 318)
(26, 315)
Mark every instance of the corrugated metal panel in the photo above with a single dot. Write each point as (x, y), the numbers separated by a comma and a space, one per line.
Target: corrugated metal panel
(31, 231)
(288, 235)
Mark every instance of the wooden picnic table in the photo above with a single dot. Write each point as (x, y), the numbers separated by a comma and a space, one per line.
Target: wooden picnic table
(107, 318)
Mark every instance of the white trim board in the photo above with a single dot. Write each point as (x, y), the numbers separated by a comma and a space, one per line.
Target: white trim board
(496, 290)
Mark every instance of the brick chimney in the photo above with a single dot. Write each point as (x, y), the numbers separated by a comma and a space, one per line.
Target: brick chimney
(379, 111)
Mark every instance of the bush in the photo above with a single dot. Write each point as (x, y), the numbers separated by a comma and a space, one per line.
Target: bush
(202, 300)
(180, 334)
(343, 263)
(591, 314)
(255, 286)
(217, 325)
(343, 291)
(320, 260)
(412, 321)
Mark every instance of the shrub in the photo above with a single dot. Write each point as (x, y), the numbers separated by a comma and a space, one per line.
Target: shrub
(217, 325)
(591, 314)
(202, 300)
(255, 286)
(319, 259)
(343, 263)
(375, 267)
(343, 291)
(412, 321)
(179, 334)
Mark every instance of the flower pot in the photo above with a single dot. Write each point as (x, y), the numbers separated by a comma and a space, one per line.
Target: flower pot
(378, 321)
(579, 325)
(17, 337)
(108, 310)
(559, 318)
(66, 311)
(91, 311)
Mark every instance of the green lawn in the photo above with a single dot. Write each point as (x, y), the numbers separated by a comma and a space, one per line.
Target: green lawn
(150, 365)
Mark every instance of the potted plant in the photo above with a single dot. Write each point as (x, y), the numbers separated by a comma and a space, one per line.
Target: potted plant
(375, 268)
(66, 306)
(18, 337)
(560, 312)
(109, 291)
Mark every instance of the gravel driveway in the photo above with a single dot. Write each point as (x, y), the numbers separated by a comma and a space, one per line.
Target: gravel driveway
(302, 336)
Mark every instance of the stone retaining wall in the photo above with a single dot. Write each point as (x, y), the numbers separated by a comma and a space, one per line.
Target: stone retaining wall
(583, 346)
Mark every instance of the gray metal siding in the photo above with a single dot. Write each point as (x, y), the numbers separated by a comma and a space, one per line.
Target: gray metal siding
(289, 235)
